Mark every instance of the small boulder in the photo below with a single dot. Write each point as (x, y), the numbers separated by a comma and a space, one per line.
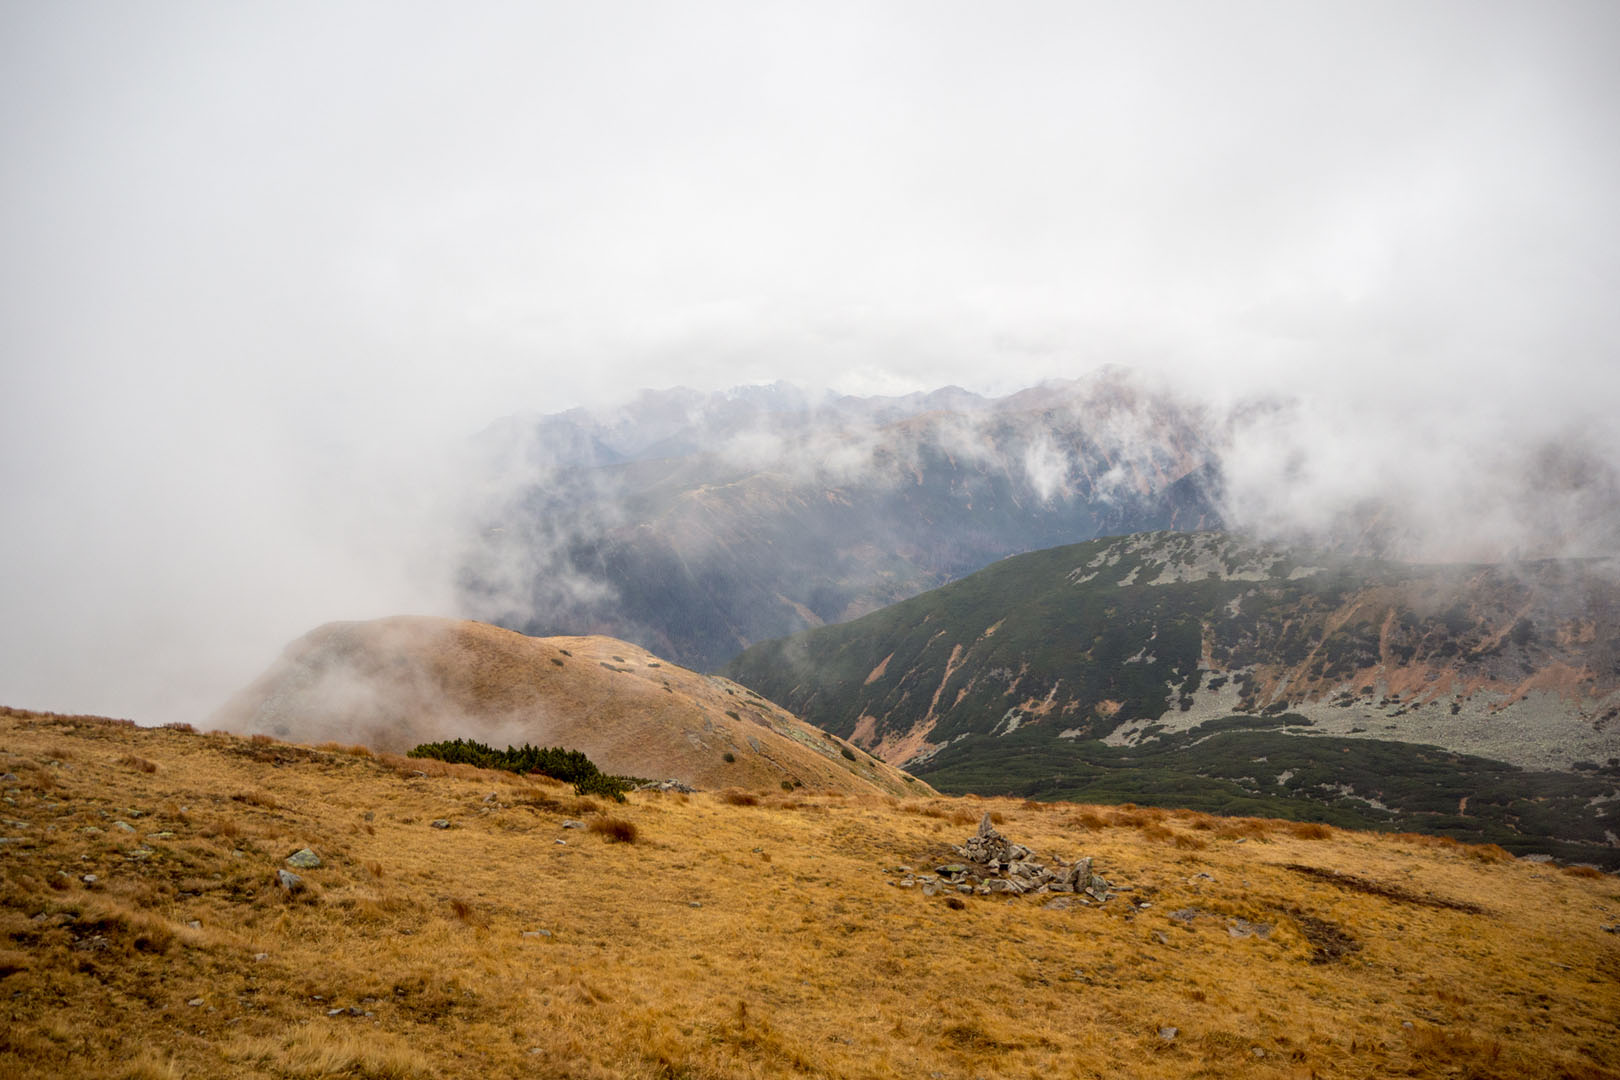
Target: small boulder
(304, 859)
(440, 823)
(290, 882)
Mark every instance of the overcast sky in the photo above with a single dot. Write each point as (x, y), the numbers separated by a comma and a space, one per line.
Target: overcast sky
(260, 265)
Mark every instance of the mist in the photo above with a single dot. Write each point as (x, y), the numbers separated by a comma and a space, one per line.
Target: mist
(266, 273)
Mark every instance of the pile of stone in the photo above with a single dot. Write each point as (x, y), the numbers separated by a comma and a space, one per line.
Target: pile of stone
(993, 864)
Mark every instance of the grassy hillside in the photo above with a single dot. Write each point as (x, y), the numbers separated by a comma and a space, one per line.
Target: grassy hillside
(393, 683)
(734, 934)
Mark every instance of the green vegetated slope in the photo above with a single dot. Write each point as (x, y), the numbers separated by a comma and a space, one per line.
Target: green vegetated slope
(1183, 669)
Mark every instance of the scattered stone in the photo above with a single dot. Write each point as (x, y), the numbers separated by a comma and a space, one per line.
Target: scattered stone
(1160, 938)
(573, 824)
(666, 785)
(1168, 1034)
(440, 823)
(1242, 928)
(138, 853)
(165, 835)
(560, 843)
(123, 826)
(91, 830)
(694, 904)
(260, 957)
(491, 797)
(304, 859)
(195, 924)
(1186, 914)
(89, 879)
(9, 778)
(194, 1002)
(290, 882)
(537, 933)
(1609, 928)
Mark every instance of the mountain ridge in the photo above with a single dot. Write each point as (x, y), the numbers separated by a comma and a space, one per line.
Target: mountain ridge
(394, 683)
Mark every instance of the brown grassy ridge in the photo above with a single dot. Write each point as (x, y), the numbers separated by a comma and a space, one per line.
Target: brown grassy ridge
(720, 939)
(396, 682)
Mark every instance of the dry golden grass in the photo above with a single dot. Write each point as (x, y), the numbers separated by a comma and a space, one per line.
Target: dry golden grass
(741, 940)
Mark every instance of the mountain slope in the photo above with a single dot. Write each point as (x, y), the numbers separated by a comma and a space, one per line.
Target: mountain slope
(762, 941)
(394, 683)
(761, 519)
(1038, 672)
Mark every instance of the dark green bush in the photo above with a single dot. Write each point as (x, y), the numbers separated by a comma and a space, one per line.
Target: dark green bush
(569, 766)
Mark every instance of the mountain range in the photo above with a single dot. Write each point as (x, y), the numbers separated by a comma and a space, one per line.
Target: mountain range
(696, 525)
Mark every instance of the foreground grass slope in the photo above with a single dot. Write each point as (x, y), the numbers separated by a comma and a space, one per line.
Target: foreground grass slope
(734, 934)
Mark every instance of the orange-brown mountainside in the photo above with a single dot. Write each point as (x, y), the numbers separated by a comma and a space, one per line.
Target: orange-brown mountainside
(446, 922)
(1236, 675)
(394, 683)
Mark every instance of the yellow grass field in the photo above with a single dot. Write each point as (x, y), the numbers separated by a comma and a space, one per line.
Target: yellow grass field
(734, 935)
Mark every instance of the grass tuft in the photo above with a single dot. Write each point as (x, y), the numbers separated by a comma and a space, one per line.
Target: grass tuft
(615, 830)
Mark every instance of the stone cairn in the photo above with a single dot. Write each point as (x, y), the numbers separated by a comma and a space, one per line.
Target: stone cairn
(993, 864)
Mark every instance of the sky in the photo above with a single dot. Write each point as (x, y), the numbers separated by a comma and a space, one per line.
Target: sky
(264, 268)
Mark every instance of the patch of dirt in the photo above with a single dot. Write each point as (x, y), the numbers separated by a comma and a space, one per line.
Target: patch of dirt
(1328, 942)
(1378, 888)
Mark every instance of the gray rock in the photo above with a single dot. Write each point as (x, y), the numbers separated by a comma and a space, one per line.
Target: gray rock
(123, 826)
(573, 824)
(9, 778)
(89, 879)
(290, 882)
(1168, 1034)
(304, 859)
(194, 1002)
(669, 785)
(537, 933)
(195, 924)
(1159, 938)
(91, 830)
(440, 823)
